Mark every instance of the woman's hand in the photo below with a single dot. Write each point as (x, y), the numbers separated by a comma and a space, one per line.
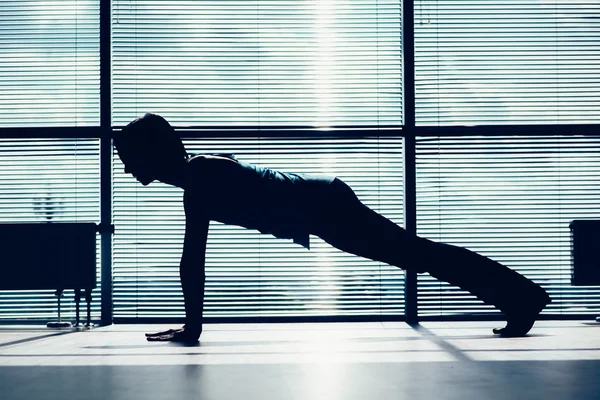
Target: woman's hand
(182, 335)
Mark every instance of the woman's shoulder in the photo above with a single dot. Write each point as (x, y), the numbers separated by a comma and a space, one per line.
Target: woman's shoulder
(227, 156)
(206, 168)
(198, 160)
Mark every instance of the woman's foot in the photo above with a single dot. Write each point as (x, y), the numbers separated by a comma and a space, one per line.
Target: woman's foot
(520, 322)
(516, 327)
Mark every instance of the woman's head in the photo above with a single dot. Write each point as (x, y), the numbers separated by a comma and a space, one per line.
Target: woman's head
(149, 145)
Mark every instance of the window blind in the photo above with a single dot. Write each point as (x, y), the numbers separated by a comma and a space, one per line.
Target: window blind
(511, 199)
(46, 181)
(49, 63)
(258, 63)
(507, 62)
(250, 274)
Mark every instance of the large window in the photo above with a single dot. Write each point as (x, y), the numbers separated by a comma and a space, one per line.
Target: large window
(328, 74)
(507, 62)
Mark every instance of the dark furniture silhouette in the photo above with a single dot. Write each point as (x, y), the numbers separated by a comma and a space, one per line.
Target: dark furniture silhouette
(59, 256)
(585, 250)
(585, 240)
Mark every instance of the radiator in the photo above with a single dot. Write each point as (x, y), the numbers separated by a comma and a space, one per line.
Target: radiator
(57, 256)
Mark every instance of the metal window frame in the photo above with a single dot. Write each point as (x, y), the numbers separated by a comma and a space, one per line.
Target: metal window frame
(106, 155)
(409, 131)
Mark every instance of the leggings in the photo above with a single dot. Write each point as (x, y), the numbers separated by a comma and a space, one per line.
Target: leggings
(344, 222)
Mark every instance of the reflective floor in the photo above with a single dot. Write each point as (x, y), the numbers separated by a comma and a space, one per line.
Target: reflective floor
(435, 360)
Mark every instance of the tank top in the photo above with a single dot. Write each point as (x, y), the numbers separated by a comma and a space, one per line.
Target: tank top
(268, 200)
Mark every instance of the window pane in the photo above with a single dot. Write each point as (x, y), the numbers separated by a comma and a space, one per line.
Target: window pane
(249, 274)
(260, 62)
(49, 63)
(511, 199)
(507, 62)
(47, 181)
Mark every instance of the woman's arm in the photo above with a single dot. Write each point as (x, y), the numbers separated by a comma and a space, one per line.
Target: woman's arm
(192, 276)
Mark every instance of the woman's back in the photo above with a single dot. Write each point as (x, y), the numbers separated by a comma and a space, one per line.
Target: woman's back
(271, 201)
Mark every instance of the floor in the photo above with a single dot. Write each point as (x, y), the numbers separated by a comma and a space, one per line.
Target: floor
(434, 360)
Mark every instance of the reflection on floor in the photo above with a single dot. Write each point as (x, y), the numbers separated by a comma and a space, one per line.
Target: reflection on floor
(435, 360)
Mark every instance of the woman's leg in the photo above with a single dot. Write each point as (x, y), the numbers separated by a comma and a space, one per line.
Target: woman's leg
(344, 222)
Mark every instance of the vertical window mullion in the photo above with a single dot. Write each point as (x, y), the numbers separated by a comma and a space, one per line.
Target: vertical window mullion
(408, 97)
(106, 156)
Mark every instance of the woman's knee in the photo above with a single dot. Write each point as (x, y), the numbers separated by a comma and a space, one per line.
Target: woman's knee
(420, 254)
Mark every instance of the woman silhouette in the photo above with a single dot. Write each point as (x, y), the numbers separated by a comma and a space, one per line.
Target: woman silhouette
(221, 188)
